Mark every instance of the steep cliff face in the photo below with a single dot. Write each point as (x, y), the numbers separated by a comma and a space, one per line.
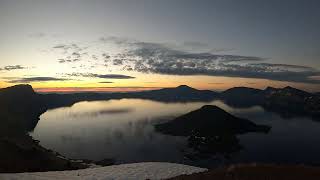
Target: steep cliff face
(20, 108)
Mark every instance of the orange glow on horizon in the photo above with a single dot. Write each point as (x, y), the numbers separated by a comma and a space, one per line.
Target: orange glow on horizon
(154, 81)
(97, 89)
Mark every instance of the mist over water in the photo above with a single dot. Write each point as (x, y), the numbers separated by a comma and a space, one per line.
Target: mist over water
(123, 130)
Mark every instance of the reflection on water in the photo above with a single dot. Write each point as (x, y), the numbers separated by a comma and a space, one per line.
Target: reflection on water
(123, 130)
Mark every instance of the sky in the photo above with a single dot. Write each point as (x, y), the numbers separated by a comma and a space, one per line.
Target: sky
(114, 45)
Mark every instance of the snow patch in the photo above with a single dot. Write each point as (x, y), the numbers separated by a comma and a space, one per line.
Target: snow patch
(148, 170)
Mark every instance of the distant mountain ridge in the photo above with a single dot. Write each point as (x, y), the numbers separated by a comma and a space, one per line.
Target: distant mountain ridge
(27, 105)
(180, 93)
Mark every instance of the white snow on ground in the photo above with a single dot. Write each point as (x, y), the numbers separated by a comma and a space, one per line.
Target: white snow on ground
(140, 171)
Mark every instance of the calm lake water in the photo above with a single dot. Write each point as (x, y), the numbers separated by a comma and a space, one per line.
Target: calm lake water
(123, 130)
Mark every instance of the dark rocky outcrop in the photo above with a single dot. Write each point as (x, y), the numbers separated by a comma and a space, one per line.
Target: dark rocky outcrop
(211, 130)
(20, 108)
(209, 121)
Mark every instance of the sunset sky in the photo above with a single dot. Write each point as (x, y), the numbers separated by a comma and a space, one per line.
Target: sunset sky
(118, 45)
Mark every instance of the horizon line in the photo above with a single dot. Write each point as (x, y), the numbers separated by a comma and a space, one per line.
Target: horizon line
(130, 89)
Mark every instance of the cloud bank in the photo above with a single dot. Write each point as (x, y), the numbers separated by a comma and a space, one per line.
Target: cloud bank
(10, 68)
(102, 76)
(36, 79)
(161, 58)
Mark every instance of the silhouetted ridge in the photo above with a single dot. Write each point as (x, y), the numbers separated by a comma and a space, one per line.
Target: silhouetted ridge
(242, 90)
(185, 87)
(181, 88)
(180, 93)
(17, 90)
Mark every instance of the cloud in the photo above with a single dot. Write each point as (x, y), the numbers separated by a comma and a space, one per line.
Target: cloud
(118, 61)
(60, 47)
(113, 76)
(68, 60)
(220, 50)
(106, 82)
(71, 52)
(159, 58)
(10, 68)
(284, 66)
(36, 79)
(102, 76)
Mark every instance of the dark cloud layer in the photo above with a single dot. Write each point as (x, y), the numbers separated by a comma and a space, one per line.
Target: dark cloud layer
(160, 59)
(10, 68)
(36, 79)
(102, 76)
(106, 82)
(113, 76)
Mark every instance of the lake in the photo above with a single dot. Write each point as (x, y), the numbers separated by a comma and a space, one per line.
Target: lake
(123, 130)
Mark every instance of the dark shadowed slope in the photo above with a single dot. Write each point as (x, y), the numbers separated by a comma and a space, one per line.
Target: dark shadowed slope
(289, 101)
(286, 101)
(243, 96)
